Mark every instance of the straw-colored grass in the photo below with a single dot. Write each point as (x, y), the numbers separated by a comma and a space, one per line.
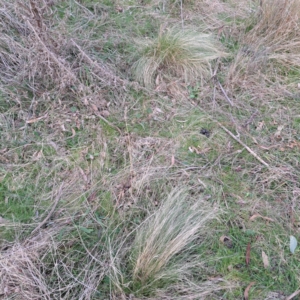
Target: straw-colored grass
(158, 257)
(175, 52)
(110, 190)
(169, 232)
(271, 46)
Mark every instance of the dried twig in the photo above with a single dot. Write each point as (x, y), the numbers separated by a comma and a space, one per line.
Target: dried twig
(244, 145)
(225, 94)
(109, 123)
(293, 295)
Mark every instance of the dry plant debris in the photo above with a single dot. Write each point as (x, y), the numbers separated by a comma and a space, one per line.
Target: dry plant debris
(110, 110)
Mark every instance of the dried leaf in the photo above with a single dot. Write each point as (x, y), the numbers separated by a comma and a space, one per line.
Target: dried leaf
(94, 107)
(254, 140)
(157, 80)
(277, 134)
(157, 110)
(172, 160)
(105, 113)
(36, 119)
(260, 126)
(92, 197)
(217, 278)
(246, 293)
(265, 260)
(83, 174)
(267, 148)
(260, 216)
(73, 132)
(248, 254)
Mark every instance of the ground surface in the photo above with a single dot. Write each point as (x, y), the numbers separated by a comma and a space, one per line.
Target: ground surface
(149, 149)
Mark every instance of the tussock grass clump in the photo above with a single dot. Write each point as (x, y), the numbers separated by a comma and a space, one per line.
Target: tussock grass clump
(166, 233)
(162, 256)
(177, 53)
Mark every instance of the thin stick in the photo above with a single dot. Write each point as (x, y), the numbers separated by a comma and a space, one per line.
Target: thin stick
(109, 124)
(227, 98)
(51, 211)
(244, 145)
(293, 295)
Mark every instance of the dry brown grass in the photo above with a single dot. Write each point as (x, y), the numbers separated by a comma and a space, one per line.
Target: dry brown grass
(269, 49)
(21, 269)
(46, 60)
(113, 230)
(156, 251)
(167, 233)
(215, 14)
(39, 263)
